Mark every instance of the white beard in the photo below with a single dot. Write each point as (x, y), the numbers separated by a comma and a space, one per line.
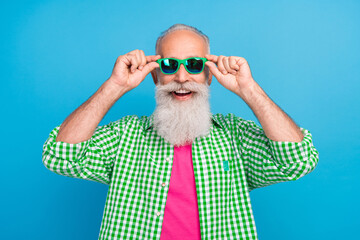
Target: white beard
(180, 122)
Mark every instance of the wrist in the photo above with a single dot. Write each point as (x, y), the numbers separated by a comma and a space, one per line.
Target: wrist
(248, 90)
(113, 89)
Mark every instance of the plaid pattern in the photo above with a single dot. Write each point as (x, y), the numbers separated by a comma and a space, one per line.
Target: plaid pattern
(233, 159)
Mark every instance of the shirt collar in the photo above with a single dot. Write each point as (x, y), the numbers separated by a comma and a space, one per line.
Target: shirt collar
(149, 121)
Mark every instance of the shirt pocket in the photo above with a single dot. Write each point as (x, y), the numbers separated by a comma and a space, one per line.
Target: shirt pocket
(220, 170)
(226, 165)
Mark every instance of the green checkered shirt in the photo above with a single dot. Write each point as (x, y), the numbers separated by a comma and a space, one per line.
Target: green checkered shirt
(129, 156)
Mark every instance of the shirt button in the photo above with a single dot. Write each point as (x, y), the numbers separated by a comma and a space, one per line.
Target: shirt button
(163, 184)
(158, 213)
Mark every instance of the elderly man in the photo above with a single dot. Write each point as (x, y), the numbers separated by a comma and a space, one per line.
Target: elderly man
(182, 173)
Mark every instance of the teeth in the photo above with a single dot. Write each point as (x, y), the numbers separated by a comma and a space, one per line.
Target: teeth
(182, 91)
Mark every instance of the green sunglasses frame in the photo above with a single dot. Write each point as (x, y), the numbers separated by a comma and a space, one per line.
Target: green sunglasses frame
(182, 61)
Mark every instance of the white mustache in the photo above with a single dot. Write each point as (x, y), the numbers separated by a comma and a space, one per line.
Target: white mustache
(199, 88)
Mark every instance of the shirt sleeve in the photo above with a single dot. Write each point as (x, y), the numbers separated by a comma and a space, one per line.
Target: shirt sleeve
(268, 162)
(91, 160)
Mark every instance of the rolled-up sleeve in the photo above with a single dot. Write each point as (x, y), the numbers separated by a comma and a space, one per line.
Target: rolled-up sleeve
(268, 162)
(91, 160)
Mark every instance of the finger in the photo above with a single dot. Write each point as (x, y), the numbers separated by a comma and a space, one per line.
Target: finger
(132, 52)
(226, 65)
(233, 64)
(241, 61)
(124, 59)
(214, 69)
(133, 61)
(149, 67)
(129, 60)
(129, 56)
(138, 58)
(152, 58)
(212, 58)
(220, 64)
(143, 60)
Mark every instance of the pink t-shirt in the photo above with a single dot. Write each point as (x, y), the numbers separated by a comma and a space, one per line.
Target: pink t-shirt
(181, 216)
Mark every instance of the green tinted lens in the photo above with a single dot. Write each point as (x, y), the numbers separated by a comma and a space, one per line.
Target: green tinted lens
(169, 66)
(194, 65)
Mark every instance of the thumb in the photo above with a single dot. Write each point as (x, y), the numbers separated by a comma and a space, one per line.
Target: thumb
(149, 67)
(214, 70)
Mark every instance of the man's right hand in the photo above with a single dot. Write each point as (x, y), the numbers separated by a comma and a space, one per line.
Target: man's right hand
(129, 71)
(132, 68)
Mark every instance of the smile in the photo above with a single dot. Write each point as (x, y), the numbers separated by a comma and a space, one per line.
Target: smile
(182, 94)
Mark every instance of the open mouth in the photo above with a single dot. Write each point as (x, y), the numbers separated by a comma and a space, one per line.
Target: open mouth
(182, 92)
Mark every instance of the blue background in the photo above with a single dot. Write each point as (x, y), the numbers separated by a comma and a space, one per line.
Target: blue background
(55, 54)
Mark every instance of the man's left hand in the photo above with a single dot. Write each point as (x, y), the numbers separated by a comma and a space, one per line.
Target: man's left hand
(232, 72)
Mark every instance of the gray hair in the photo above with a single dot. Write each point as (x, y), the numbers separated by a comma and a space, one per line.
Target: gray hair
(177, 27)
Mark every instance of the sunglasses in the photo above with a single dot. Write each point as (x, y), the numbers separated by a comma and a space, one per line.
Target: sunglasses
(193, 65)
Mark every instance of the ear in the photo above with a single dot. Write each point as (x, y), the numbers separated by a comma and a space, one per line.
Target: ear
(154, 76)
(210, 78)
(209, 75)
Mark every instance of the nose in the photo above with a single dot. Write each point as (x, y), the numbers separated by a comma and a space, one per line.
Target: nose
(181, 75)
